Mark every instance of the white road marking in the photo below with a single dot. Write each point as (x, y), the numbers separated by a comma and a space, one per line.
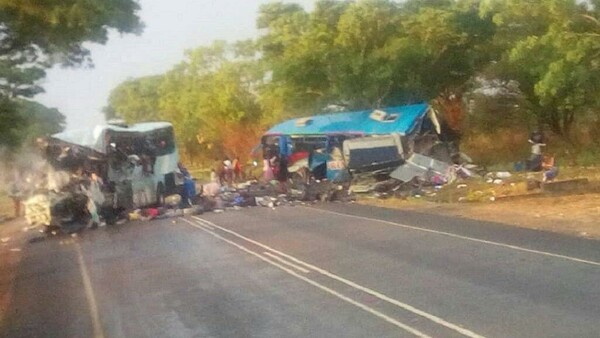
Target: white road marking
(374, 293)
(206, 226)
(89, 294)
(449, 234)
(299, 268)
(313, 283)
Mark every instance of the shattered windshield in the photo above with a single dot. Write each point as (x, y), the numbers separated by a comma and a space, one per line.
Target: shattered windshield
(158, 142)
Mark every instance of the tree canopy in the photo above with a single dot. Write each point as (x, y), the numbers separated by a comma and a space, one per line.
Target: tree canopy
(27, 120)
(35, 35)
(374, 53)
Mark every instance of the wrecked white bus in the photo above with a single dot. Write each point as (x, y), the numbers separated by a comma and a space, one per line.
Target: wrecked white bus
(137, 164)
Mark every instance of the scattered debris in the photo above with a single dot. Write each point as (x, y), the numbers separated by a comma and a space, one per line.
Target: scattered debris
(37, 239)
(502, 174)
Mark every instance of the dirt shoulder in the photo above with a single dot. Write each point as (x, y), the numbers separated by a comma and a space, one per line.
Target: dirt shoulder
(12, 243)
(577, 215)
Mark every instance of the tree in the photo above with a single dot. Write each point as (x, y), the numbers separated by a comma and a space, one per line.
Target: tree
(40, 121)
(373, 53)
(553, 56)
(31, 120)
(35, 35)
(136, 100)
(214, 89)
(54, 31)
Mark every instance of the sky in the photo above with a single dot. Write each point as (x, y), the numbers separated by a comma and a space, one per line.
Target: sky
(171, 27)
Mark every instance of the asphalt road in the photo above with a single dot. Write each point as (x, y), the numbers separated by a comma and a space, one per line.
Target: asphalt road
(337, 270)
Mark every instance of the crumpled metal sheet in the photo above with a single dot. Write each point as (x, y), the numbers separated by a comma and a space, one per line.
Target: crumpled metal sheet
(417, 166)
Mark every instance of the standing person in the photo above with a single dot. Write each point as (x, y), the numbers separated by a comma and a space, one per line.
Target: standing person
(217, 168)
(237, 169)
(95, 196)
(228, 171)
(267, 170)
(282, 174)
(16, 194)
(535, 160)
(189, 186)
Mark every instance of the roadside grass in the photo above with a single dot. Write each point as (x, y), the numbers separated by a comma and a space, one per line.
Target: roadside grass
(500, 149)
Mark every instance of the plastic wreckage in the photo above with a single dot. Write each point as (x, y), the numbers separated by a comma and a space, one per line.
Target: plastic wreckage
(94, 176)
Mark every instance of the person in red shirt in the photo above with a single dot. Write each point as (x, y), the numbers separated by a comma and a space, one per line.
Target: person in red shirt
(237, 169)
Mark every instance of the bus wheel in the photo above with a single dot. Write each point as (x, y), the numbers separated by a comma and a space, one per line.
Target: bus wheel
(160, 195)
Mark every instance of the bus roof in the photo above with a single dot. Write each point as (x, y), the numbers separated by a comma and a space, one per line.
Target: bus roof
(94, 139)
(400, 119)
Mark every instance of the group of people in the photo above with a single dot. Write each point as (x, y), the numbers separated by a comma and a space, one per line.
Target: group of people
(227, 172)
(538, 161)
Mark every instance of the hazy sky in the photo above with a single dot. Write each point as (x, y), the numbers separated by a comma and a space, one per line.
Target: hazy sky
(172, 26)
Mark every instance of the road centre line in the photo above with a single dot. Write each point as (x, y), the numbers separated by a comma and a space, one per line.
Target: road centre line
(204, 224)
(299, 268)
(374, 293)
(449, 234)
(89, 294)
(208, 226)
(313, 283)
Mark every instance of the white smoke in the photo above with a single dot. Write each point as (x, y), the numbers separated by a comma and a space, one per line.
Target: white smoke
(26, 169)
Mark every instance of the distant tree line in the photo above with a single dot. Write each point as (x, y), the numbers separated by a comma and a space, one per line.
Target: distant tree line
(494, 61)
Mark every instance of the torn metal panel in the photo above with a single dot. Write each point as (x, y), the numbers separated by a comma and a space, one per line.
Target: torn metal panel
(418, 166)
(429, 163)
(408, 172)
(367, 154)
(433, 117)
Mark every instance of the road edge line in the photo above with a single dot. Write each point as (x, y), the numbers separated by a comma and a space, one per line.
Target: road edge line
(449, 234)
(89, 294)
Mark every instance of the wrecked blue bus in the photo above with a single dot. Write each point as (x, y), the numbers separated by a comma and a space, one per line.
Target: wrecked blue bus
(337, 145)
